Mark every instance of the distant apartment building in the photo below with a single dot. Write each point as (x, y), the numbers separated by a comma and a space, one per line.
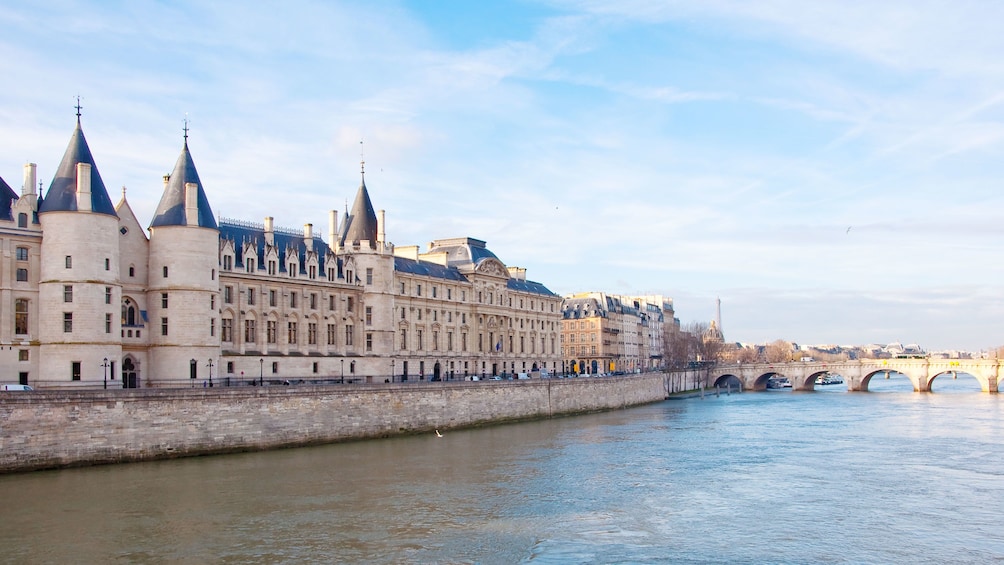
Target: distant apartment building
(604, 333)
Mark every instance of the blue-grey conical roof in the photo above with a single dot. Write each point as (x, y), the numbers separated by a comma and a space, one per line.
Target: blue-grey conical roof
(62, 194)
(362, 220)
(171, 210)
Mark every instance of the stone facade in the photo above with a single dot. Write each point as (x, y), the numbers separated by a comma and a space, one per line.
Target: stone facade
(89, 299)
(604, 333)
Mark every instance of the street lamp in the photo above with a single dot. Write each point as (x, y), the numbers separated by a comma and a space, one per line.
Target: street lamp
(261, 372)
(342, 380)
(191, 372)
(210, 365)
(105, 365)
(391, 370)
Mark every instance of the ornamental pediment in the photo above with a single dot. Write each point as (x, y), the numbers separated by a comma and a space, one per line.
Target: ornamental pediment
(492, 267)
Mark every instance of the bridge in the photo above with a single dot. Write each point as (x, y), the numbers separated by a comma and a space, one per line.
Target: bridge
(858, 373)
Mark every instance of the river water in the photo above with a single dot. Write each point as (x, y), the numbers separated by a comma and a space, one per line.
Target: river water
(888, 476)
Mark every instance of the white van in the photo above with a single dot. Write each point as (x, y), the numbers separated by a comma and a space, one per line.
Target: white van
(15, 387)
(522, 376)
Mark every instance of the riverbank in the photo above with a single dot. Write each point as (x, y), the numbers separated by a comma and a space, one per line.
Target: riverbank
(54, 429)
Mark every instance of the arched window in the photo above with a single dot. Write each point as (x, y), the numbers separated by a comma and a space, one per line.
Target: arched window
(129, 312)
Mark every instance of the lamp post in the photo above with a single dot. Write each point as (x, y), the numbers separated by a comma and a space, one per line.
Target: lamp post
(210, 365)
(261, 372)
(342, 380)
(105, 365)
(191, 372)
(391, 370)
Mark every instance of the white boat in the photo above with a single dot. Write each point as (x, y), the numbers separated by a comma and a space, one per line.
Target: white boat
(829, 379)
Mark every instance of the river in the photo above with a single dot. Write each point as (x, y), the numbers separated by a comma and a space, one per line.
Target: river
(888, 476)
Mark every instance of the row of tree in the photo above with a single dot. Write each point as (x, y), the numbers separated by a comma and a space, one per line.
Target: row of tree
(694, 344)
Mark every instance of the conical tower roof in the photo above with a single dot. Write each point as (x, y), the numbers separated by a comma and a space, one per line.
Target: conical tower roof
(171, 210)
(62, 194)
(362, 219)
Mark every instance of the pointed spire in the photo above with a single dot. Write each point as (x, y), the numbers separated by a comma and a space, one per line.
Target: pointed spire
(171, 210)
(62, 194)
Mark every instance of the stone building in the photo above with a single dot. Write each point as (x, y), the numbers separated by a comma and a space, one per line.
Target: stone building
(604, 333)
(88, 298)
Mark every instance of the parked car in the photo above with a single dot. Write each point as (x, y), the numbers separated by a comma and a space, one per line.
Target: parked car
(15, 387)
(522, 376)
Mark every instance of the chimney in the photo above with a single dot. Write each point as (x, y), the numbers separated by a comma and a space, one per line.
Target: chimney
(191, 204)
(83, 187)
(29, 179)
(269, 232)
(381, 236)
(308, 236)
(333, 229)
(167, 179)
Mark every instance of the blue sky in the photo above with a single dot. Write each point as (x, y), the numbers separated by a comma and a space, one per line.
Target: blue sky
(832, 171)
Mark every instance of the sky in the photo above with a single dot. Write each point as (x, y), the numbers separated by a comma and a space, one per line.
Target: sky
(830, 170)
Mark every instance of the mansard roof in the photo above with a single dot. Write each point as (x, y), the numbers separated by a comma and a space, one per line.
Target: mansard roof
(428, 269)
(62, 194)
(361, 225)
(7, 198)
(462, 250)
(529, 286)
(241, 232)
(171, 210)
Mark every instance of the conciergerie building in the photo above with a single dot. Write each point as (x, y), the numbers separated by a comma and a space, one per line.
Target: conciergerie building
(91, 299)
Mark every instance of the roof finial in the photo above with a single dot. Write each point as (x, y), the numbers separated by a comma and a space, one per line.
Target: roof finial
(186, 129)
(78, 107)
(362, 160)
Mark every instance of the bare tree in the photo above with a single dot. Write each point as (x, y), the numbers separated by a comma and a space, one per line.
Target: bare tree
(777, 352)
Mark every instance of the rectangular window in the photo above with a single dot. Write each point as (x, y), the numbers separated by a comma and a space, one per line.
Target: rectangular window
(369, 315)
(165, 271)
(250, 297)
(67, 322)
(463, 341)
(22, 355)
(163, 326)
(369, 341)
(212, 327)
(108, 264)
(332, 334)
(250, 331)
(418, 340)
(271, 297)
(291, 330)
(433, 292)
(348, 334)
(108, 295)
(69, 262)
(212, 302)
(275, 367)
(22, 253)
(369, 276)
(312, 333)
(228, 295)
(228, 330)
(331, 302)
(449, 294)
(418, 290)
(108, 323)
(402, 288)
(313, 301)
(350, 304)
(75, 371)
(22, 275)
(163, 300)
(271, 330)
(292, 299)
(67, 293)
(404, 339)
(435, 340)
(449, 341)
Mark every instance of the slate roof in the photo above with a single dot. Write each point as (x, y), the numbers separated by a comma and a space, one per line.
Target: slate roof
(171, 210)
(240, 232)
(528, 286)
(426, 268)
(7, 198)
(362, 221)
(62, 194)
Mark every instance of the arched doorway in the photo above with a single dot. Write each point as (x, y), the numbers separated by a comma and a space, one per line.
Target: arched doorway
(595, 365)
(130, 373)
(436, 372)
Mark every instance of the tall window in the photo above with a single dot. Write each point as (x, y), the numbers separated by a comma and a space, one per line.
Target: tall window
(228, 295)
(369, 315)
(292, 299)
(22, 253)
(271, 330)
(227, 330)
(163, 326)
(108, 295)
(369, 341)
(250, 297)
(163, 300)
(249, 331)
(350, 304)
(313, 301)
(165, 271)
(69, 262)
(22, 275)
(332, 334)
(291, 327)
(404, 339)
(348, 334)
(312, 333)
(212, 327)
(22, 220)
(128, 312)
(67, 293)
(67, 322)
(108, 323)
(75, 371)
(271, 297)
(21, 316)
(418, 340)
(369, 276)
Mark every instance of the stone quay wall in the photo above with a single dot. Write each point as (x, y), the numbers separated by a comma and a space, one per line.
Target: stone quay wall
(53, 429)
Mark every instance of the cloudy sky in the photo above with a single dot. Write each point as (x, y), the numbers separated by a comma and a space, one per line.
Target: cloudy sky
(832, 171)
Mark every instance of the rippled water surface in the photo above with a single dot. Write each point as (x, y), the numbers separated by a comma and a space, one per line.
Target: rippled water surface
(826, 477)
